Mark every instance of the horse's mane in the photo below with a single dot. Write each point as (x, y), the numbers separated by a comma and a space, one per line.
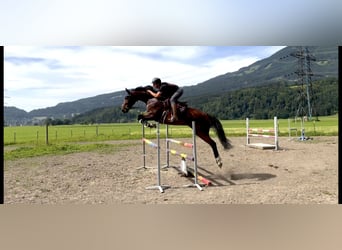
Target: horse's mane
(145, 88)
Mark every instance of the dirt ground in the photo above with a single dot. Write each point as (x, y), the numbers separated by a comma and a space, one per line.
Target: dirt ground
(301, 172)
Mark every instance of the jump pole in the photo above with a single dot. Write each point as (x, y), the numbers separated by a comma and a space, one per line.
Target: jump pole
(144, 149)
(263, 145)
(158, 186)
(291, 129)
(199, 177)
(194, 158)
(143, 146)
(194, 152)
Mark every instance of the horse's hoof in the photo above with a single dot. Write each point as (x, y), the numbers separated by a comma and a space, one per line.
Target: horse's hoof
(151, 125)
(219, 162)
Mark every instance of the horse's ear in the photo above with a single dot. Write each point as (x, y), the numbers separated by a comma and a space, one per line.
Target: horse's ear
(128, 92)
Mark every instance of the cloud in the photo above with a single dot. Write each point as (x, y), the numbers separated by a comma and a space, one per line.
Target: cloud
(39, 77)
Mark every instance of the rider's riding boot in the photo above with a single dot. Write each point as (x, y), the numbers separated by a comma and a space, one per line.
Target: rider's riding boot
(174, 116)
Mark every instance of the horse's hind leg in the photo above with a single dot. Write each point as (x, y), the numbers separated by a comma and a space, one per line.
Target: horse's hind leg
(205, 137)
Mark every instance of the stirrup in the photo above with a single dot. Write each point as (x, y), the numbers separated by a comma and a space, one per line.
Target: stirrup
(173, 118)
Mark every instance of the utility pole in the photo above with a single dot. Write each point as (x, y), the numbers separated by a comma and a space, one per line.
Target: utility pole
(305, 93)
(304, 74)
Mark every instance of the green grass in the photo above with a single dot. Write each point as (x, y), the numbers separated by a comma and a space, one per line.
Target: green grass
(31, 140)
(36, 135)
(326, 126)
(59, 149)
(71, 133)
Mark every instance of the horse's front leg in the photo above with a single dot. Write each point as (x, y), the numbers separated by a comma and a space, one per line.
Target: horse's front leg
(144, 118)
(141, 118)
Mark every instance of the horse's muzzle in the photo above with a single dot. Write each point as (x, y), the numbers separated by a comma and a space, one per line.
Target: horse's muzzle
(124, 109)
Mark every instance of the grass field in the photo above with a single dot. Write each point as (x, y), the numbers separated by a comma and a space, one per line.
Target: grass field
(31, 141)
(123, 131)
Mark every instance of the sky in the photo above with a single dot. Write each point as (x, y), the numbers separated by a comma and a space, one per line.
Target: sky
(43, 67)
(43, 76)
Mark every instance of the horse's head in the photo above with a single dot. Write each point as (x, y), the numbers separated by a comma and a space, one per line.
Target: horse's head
(128, 102)
(134, 95)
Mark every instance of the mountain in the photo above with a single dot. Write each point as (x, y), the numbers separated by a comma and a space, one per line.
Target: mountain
(66, 110)
(277, 68)
(13, 115)
(70, 109)
(281, 66)
(263, 102)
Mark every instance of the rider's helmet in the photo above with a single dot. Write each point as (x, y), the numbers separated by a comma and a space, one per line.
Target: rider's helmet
(156, 82)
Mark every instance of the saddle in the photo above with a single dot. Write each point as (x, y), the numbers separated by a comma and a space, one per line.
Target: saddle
(181, 108)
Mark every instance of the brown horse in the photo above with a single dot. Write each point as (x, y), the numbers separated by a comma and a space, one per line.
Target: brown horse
(157, 110)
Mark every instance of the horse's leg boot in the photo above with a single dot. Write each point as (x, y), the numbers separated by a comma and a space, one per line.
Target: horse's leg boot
(174, 112)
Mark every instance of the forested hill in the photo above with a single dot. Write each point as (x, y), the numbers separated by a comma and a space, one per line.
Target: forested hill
(277, 99)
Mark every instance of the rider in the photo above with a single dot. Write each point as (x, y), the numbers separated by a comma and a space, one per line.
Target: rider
(167, 90)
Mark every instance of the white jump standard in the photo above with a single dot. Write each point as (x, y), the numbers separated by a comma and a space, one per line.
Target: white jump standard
(192, 158)
(144, 142)
(157, 146)
(257, 132)
(169, 151)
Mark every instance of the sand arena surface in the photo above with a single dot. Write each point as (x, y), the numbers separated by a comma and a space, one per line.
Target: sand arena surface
(299, 173)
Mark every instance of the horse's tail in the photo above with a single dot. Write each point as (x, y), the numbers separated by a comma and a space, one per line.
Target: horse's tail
(220, 132)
